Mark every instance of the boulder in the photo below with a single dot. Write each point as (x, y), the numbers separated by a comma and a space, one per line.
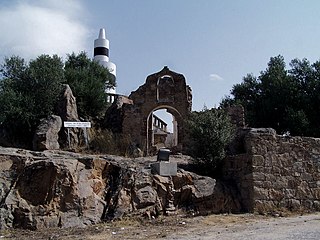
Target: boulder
(46, 135)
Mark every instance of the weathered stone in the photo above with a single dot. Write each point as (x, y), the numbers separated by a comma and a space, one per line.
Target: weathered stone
(259, 176)
(164, 168)
(67, 110)
(257, 160)
(263, 206)
(145, 197)
(67, 105)
(294, 204)
(289, 171)
(63, 189)
(6, 218)
(276, 195)
(260, 193)
(133, 116)
(46, 136)
(113, 119)
(316, 205)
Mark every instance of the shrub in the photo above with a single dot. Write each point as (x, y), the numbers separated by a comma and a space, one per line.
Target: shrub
(210, 132)
(111, 143)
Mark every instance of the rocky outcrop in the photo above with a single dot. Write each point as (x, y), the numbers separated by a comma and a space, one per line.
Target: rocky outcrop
(67, 110)
(46, 135)
(67, 105)
(63, 189)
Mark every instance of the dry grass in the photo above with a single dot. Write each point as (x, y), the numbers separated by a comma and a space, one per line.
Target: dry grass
(106, 142)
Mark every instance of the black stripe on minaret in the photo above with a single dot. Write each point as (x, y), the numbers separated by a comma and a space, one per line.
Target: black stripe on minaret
(101, 51)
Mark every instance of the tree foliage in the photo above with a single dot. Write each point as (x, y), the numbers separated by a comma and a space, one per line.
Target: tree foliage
(29, 91)
(88, 81)
(286, 100)
(210, 132)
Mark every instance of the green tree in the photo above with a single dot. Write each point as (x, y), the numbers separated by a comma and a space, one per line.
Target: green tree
(28, 92)
(246, 94)
(286, 100)
(210, 132)
(88, 81)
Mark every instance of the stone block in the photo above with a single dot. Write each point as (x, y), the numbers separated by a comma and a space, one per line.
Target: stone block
(316, 205)
(290, 193)
(316, 193)
(267, 184)
(257, 160)
(164, 168)
(260, 193)
(294, 204)
(258, 176)
(276, 195)
(307, 204)
(280, 183)
(306, 177)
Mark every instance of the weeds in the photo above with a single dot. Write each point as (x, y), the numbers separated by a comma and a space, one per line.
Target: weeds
(107, 142)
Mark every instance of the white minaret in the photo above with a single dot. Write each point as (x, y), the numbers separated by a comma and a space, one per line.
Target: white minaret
(101, 55)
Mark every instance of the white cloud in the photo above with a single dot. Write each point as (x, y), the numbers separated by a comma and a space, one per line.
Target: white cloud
(31, 28)
(215, 77)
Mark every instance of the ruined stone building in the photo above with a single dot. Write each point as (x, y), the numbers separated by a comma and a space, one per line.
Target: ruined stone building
(134, 115)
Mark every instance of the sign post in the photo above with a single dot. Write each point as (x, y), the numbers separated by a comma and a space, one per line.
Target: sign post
(83, 125)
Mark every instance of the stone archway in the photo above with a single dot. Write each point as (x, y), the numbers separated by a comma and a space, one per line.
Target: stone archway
(165, 89)
(177, 124)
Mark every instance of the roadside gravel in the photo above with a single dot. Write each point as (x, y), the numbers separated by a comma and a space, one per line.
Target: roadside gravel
(281, 228)
(222, 227)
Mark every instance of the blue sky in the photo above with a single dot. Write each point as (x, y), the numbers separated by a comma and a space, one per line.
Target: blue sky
(213, 43)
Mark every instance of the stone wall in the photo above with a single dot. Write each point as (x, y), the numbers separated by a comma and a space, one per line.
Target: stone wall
(276, 172)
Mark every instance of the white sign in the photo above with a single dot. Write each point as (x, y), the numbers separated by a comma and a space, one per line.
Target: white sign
(77, 124)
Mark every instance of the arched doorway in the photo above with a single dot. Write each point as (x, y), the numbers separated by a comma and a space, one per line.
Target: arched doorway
(163, 124)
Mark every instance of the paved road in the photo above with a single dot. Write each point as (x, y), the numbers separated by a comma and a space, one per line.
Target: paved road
(290, 228)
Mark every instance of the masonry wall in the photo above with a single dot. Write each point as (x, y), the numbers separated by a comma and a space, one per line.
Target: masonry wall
(157, 93)
(277, 172)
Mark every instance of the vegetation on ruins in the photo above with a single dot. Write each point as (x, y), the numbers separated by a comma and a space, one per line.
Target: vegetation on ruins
(210, 132)
(29, 91)
(286, 100)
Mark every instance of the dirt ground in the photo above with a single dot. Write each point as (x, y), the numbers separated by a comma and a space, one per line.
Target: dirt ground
(227, 226)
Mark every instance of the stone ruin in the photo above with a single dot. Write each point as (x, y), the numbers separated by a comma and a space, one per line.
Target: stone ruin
(133, 115)
(264, 172)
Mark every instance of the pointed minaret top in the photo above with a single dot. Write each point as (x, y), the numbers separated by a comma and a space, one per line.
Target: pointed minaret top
(102, 33)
